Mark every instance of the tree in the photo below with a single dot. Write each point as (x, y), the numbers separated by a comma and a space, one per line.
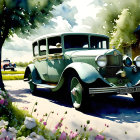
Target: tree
(20, 17)
(120, 19)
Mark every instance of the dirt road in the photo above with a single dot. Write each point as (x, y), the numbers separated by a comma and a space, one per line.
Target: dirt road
(120, 113)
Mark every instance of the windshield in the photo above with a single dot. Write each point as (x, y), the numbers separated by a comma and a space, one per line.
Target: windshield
(98, 42)
(76, 41)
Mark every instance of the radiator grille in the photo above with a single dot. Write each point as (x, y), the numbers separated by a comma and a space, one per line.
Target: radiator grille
(114, 64)
(114, 60)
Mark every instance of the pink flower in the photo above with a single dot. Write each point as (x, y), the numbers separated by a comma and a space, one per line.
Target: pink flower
(90, 129)
(1, 101)
(2, 130)
(62, 119)
(41, 120)
(63, 136)
(58, 125)
(106, 125)
(44, 123)
(7, 138)
(54, 131)
(73, 135)
(99, 137)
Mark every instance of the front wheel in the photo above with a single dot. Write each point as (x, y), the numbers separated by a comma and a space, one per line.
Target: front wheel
(77, 91)
(31, 84)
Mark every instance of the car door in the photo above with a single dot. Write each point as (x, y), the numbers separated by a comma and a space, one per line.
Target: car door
(41, 63)
(56, 62)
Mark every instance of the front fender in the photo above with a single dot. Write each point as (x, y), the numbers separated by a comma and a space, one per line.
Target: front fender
(87, 73)
(35, 76)
(132, 76)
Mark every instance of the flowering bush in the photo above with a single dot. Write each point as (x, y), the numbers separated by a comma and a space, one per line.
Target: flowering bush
(18, 124)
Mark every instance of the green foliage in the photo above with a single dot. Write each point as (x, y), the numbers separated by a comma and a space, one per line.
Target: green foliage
(120, 19)
(23, 64)
(21, 16)
(123, 34)
(24, 15)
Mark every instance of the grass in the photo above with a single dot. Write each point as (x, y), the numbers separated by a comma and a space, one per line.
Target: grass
(13, 72)
(12, 77)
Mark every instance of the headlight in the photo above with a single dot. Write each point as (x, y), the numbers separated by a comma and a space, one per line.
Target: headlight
(127, 61)
(137, 61)
(101, 60)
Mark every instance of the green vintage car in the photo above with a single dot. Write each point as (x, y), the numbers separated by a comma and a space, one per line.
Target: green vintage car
(83, 64)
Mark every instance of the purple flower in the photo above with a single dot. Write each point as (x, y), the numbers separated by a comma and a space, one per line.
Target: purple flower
(44, 123)
(2, 101)
(6, 102)
(99, 137)
(63, 136)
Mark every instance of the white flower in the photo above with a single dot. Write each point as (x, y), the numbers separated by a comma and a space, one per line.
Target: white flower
(12, 130)
(12, 133)
(34, 136)
(3, 123)
(29, 123)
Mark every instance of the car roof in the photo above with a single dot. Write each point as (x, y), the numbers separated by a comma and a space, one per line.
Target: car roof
(67, 33)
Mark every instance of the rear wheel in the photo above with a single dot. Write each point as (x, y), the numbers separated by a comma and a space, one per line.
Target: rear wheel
(78, 93)
(31, 84)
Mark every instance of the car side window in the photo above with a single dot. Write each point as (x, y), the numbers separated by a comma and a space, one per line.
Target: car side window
(35, 49)
(54, 44)
(42, 47)
(98, 42)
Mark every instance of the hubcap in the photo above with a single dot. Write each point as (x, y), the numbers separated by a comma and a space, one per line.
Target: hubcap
(76, 92)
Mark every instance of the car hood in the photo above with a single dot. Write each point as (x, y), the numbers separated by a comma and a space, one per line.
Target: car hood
(78, 53)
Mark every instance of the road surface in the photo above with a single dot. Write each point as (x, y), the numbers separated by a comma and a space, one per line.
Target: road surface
(120, 113)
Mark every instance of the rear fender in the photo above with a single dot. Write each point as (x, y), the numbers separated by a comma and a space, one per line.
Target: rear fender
(35, 76)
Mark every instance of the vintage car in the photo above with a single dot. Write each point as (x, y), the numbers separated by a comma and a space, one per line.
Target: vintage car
(83, 64)
(6, 65)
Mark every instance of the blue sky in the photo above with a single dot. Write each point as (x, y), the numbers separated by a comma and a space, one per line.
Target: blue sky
(70, 16)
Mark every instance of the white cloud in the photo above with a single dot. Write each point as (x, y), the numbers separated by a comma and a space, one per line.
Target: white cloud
(70, 16)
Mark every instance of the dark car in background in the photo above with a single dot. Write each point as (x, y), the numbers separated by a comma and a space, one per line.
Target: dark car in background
(6, 65)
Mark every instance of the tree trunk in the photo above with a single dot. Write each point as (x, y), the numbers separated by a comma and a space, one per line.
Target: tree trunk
(1, 81)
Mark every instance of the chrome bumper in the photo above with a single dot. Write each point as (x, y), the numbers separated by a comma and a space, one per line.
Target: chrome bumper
(118, 90)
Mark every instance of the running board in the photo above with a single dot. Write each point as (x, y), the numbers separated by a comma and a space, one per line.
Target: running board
(46, 86)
